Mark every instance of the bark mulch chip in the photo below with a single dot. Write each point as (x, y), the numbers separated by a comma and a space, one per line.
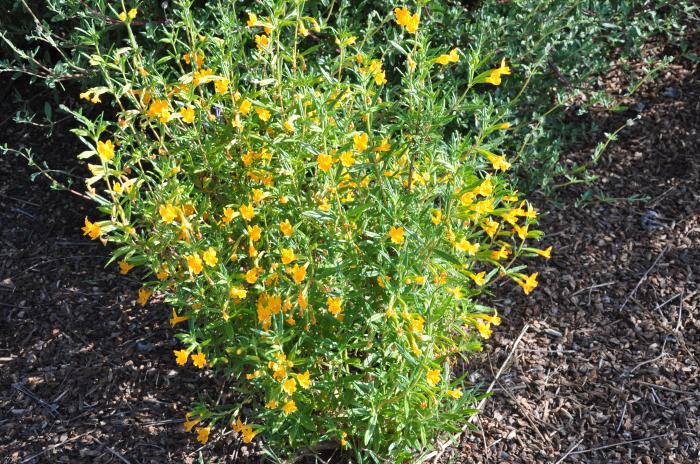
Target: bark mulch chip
(606, 370)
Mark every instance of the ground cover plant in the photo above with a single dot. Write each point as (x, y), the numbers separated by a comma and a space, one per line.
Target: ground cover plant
(320, 236)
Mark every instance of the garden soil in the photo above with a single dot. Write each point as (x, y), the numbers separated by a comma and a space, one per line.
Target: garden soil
(599, 365)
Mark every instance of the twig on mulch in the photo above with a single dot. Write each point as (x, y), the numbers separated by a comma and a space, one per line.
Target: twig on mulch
(636, 287)
(435, 455)
(606, 284)
(52, 447)
(622, 443)
(680, 312)
(115, 453)
(24, 390)
(561, 459)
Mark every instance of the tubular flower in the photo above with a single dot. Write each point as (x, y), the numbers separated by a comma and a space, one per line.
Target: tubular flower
(529, 283)
(194, 264)
(199, 360)
(325, 162)
(289, 407)
(125, 267)
(396, 234)
(187, 114)
(144, 295)
(495, 76)
(92, 229)
(405, 19)
(167, 212)
(181, 357)
(360, 141)
(105, 150)
(203, 434)
(210, 257)
(175, 319)
(433, 377)
(286, 228)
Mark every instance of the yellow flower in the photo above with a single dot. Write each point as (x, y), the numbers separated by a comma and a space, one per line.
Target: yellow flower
(384, 146)
(122, 16)
(194, 264)
(529, 283)
(288, 255)
(544, 253)
(467, 198)
(247, 433)
(252, 20)
(203, 434)
(187, 114)
(467, 247)
(261, 41)
(298, 273)
(478, 278)
(132, 13)
(456, 393)
(245, 107)
(360, 141)
(503, 253)
(396, 234)
(199, 360)
(92, 229)
(289, 386)
(210, 257)
(495, 75)
(168, 213)
(144, 295)
(490, 227)
(289, 407)
(272, 404)
(334, 305)
(445, 59)
(521, 231)
(499, 162)
(380, 77)
(247, 211)
(181, 357)
(175, 319)
(125, 267)
(436, 216)
(252, 275)
(229, 214)
(433, 377)
(238, 292)
(105, 150)
(263, 114)
(405, 19)
(254, 233)
(325, 162)
(190, 423)
(163, 273)
(347, 159)
(484, 328)
(286, 228)
(304, 380)
(221, 85)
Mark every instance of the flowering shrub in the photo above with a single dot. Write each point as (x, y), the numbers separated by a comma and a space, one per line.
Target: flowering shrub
(321, 236)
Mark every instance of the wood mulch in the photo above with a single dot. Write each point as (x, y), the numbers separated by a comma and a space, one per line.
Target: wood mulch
(606, 370)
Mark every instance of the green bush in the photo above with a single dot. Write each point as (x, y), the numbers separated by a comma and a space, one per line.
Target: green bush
(321, 235)
(560, 49)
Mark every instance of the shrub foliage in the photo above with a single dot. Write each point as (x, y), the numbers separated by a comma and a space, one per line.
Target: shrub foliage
(322, 237)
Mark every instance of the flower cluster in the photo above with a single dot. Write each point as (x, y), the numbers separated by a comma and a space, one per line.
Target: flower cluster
(318, 235)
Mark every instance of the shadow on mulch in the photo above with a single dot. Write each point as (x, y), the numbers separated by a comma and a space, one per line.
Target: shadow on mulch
(86, 374)
(607, 371)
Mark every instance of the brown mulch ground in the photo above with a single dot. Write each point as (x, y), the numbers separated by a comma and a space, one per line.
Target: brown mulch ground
(608, 367)
(606, 371)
